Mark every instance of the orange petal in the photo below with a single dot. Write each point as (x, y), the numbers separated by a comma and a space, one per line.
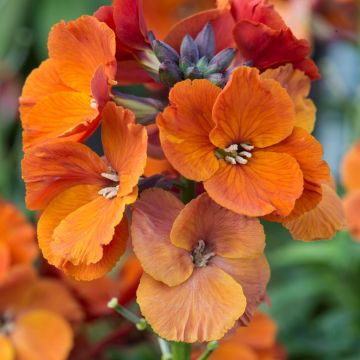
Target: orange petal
(60, 115)
(322, 222)
(234, 351)
(7, 351)
(221, 21)
(4, 260)
(158, 166)
(352, 213)
(229, 234)
(52, 168)
(203, 308)
(79, 47)
(153, 217)
(297, 84)
(185, 126)
(269, 182)
(252, 274)
(252, 110)
(308, 152)
(42, 332)
(350, 168)
(125, 145)
(41, 82)
(93, 252)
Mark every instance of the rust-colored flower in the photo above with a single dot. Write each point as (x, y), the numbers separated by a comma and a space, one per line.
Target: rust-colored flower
(243, 144)
(209, 270)
(260, 34)
(350, 168)
(63, 98)
(352, 212)
(35, 317)
(254, 342)
(17, 242)
(82, 230)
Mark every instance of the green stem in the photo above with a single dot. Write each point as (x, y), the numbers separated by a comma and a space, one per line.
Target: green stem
(181, 351)
(165, 349)
(188, 191)
(211, 347)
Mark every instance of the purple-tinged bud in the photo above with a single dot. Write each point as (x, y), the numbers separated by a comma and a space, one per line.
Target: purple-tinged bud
(164, 51)
(184, 64)
(151, 37)
(169, 73)
(205, 41)
(223, 59)
(202, 64)
(189, 49)
(217, 79)
(193, 73)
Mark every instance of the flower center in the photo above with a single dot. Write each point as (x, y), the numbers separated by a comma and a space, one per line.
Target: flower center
(93, 104)
(201, 254)
(111, 191)
(6, 323)
(235, 154)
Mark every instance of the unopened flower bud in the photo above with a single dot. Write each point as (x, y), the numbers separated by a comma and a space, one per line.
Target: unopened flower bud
(217, 79)
(164, 51)
(169, 73)
(193, 73)
(205, 42)
(223, 59)
(189, 49)
(202, 64)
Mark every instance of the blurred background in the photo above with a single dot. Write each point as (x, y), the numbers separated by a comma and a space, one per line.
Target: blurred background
(315, 287)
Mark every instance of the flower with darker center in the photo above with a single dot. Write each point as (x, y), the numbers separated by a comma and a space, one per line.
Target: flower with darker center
(235, 154)
(208, 260)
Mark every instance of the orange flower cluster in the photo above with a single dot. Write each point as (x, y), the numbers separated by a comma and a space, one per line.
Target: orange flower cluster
(351, 182)
(231, 129)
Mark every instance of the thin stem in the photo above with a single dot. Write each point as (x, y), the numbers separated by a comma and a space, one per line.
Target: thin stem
(188, 190)
(140, 323)
(211, 347)
(165, 349)
(181, 351)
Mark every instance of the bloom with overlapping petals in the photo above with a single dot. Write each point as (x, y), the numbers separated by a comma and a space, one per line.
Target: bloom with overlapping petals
(82, 229)
(17, 241)
(204, 267)
(63, 98)
(243, 144)
(36, 316)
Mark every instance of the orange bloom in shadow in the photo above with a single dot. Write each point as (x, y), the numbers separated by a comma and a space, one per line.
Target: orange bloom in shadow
(35, 317)
(17, 242)
(322, 222)
(254, 342)
(95, 295)
(82, 230)
(350, 168)
(63, 98)
(352, 212)
(209, 270)
(243, 143)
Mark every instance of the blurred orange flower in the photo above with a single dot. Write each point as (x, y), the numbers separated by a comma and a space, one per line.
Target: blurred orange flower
(205, 264)
(17, 242)
(243, 143)
(35, 317)
(352, 212)
(254, 342)
(64, 97)
(82, 230)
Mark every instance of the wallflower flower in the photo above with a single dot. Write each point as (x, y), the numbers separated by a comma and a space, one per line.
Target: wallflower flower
(241, 141)
(209, 269)
(261, 36)
(63, 98)
(17, 242)
(257, 341)
(35, 317)
(82, 229)
(352, 213)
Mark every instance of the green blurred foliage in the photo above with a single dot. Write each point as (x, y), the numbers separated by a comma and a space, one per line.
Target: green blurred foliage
(315, 287)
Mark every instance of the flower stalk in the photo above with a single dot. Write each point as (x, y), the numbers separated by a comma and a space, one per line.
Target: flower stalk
(211, 347)
(181, 351)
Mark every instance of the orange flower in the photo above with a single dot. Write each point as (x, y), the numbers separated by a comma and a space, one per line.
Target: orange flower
(64, 97)
(255, 342)
(209, 269)
(241, 141)
(82, 230)
(35, 315)
(323, 221)
(17, 243)
(350, 168)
